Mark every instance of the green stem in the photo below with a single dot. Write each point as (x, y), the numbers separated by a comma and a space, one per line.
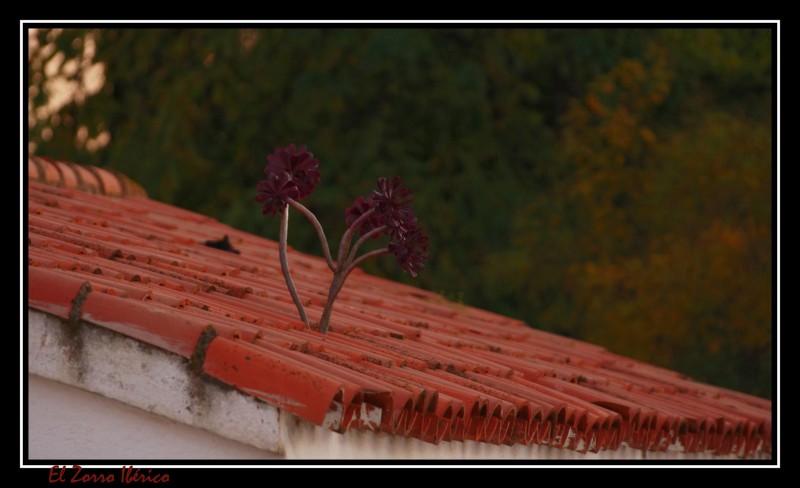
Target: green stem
(317, 227)
(364, 257)
(339, 278)
(369, 235)
(344, 244)
(284, 230)
(336, 287)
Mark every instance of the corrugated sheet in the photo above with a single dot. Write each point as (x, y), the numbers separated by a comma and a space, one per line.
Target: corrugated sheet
(398, 360)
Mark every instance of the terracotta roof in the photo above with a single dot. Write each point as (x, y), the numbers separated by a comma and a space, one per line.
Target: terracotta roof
(399, 359)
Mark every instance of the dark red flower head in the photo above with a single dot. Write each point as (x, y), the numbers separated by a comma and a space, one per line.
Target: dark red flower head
(391, 205)
(359, 207)
(392, 192)
(298, 163)
(274, 191)
(410, 250)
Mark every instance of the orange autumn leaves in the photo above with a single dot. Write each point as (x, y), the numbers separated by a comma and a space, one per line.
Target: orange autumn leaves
(670, 256)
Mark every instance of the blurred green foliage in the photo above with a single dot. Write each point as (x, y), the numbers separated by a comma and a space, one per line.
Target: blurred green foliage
(608, 184)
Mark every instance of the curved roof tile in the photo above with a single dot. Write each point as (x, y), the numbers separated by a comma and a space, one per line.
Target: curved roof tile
(87, 178)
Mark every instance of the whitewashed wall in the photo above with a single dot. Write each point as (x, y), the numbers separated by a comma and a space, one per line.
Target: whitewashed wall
(66, 422)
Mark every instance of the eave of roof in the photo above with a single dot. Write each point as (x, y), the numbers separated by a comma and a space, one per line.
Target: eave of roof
(399, 359)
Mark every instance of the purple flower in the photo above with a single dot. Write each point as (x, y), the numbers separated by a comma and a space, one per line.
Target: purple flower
(274, 191)
(393, 206)
(411, 249)
(359, 207)
(298, 163)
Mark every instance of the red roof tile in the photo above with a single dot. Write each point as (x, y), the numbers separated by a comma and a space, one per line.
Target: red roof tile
(432, 369)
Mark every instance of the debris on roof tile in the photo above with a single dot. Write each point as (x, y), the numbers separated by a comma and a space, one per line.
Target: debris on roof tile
(224, 244)
(398, 359)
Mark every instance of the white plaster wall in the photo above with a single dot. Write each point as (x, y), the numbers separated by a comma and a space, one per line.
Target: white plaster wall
(66, 422)
(137, 375)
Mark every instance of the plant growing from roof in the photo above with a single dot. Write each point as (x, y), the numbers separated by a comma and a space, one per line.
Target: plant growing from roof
(292, 173)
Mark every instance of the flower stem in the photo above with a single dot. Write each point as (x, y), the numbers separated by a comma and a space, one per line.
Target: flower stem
(369, 235)
(364, 257)
(317, 227)
(338, 282)
(284, 230)
(344, 244)
(336, 286)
